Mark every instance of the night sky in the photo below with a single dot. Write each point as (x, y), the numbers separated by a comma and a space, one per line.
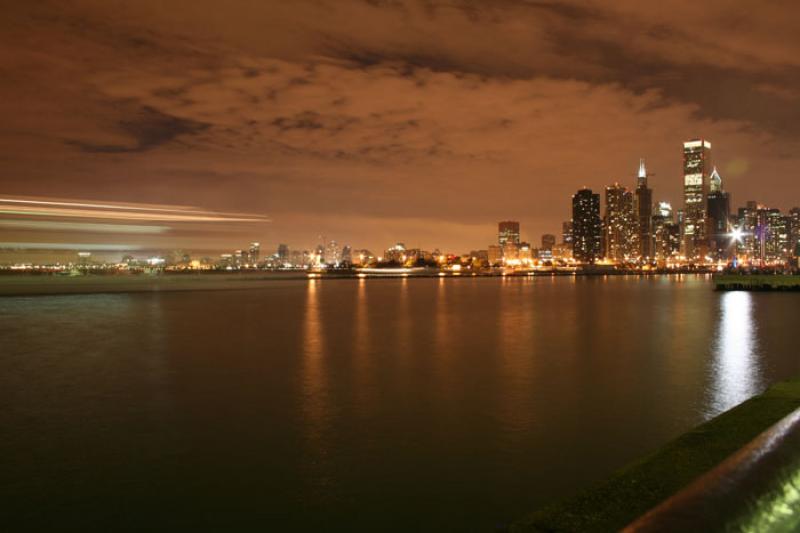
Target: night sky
(371, 122)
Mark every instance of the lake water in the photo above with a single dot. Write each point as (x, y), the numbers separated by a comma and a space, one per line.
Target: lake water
(362, 405)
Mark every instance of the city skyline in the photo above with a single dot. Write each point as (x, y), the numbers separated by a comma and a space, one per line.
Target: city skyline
(304, 113)
(622, 228)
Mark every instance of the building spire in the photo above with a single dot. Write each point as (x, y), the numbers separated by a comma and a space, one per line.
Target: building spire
(642, 179)
(715, 181)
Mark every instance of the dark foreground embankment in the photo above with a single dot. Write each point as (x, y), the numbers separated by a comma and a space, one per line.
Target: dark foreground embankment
(642, 485)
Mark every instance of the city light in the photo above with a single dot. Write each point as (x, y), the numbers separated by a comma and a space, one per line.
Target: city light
(625, 231)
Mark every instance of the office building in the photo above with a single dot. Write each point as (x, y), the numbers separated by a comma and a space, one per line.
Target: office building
(794, 231)
(619, 224)
(283, 254)
(718, 210)
(586, 226)
(696, 172)
(494, 254)
(644, 215)
(507, 231)
(566, 233)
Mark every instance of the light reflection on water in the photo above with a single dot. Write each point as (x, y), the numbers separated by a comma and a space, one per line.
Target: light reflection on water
(315, 390)
(734, 366)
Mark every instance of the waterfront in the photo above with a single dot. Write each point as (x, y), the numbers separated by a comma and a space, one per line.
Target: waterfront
(401, 404)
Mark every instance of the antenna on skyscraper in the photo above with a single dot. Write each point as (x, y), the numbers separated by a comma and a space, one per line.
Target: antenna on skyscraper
(641, 178)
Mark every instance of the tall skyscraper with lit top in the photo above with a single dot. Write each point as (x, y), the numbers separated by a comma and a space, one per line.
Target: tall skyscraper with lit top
(644, 215)
(696, 173)
(718, 213)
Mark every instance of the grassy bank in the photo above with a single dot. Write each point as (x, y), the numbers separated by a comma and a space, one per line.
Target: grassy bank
(640, 486)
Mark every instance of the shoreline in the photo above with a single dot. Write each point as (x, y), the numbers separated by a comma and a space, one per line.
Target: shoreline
(57, 285)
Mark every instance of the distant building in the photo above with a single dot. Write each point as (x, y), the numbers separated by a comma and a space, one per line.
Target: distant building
(794, 231)
(225, 261)
(548, 241)
(525, 251)
(696, 172)
(299, 259)
(666, 233)
(718, 211)
(239, 258)
(767, 234)
(318, 258)
(494, 255)
(510, 251)
(747, 221)
(396, 253)
(566, 233)
(562, 252)
(586, 226)
(479, 258)
(283, 253)
(664, 226)
(347, 255)
(333, 254)
(776, 238)
(254, 253)
(507, 231)
(416, 257)
(619, 224)
(479, 254)
(644, 215)
(362, 257)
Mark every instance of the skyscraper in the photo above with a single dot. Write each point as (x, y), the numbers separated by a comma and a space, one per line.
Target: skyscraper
(283, 253)
(644, 214)
(333, 254)
(508, 232)
(586, 226)
(548, 241)
(619, 223)
(666, 233)
(794, 231)
(347, 255)
(696, 170)
(254, 253)
(719, 212)
(494, 254)
(748, 225)
(319, 255)
(776, 238)
(566, 233)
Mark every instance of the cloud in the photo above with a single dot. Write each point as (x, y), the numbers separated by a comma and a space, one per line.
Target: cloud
(452, 113)
(148, 128)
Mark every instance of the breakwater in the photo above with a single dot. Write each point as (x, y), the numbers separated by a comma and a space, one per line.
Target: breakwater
(757, 282)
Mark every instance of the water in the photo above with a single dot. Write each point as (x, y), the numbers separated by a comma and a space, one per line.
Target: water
(362, 405)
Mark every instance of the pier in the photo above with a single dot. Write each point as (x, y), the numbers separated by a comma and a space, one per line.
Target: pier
(757, 282)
